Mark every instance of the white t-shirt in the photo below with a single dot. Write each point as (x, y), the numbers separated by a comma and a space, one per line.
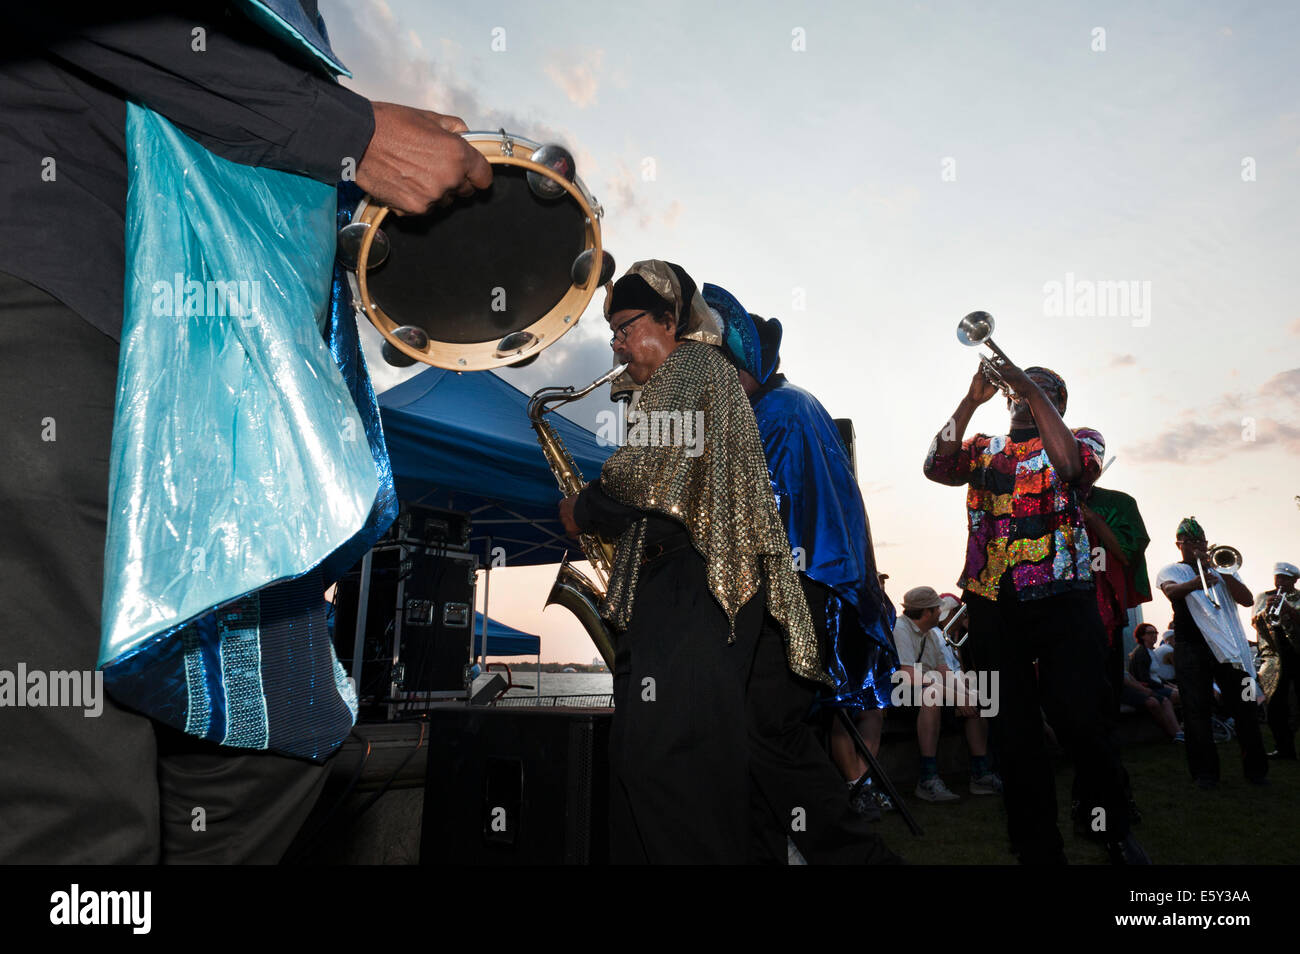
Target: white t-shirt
(1221, 627)
(1162, 662)
(915, 646)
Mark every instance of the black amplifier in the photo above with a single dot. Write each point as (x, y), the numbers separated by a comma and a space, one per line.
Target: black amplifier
(418, 628)
(517, 786)
(420, 525)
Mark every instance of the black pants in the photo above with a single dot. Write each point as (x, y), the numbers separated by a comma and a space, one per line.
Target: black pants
(1197, 669)
(797, 790)
(1279, 703)
(679, 762)
(1064, 634)
(104, 789)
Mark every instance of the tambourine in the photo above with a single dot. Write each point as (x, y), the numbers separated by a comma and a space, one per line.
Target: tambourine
(492, 279)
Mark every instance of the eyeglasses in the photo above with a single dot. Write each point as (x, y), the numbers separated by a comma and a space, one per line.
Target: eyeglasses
(620, 333)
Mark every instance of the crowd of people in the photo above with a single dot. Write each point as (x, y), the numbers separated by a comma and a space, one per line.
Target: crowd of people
(1033, 647)
(744, 588)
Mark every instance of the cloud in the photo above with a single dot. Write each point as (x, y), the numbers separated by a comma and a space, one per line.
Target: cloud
(1294, 327)
(1285, 385)
(368, 38)
(1123, 360)
(578, 81)
(625, 197)
(1235, 422)
(674, 212)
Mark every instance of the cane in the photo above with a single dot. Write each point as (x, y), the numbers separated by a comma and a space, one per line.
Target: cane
(877, 773)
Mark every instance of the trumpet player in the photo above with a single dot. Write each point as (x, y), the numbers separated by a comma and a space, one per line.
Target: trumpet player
(1211, 648)
(1029, 587)
(1276, 618)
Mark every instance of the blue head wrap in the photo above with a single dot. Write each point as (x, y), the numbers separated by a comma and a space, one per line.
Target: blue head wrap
(751, 342)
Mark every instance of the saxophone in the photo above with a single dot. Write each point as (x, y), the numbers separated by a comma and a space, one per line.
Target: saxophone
(573, 589)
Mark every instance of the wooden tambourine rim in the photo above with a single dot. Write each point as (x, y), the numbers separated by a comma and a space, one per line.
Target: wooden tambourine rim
(482, 355)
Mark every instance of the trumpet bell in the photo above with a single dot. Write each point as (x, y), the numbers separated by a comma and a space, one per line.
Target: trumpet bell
(975, 328)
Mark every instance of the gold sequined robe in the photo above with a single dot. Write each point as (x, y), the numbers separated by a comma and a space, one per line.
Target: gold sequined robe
(723, 496)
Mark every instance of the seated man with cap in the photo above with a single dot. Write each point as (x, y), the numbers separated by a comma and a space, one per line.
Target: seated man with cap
(924, 659)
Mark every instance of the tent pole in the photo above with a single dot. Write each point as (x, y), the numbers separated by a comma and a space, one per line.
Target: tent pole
(487, 592)
(359, 634)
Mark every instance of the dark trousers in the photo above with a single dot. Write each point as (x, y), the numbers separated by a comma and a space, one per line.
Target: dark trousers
(679, 763)
(1064, 634)
(797, 790)
(105, 789)
(1279, 703)
(1197, 670)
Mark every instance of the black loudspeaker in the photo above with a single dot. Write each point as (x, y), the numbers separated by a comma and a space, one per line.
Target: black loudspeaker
(514, 786)
(849, 439)
(420, 525)
(419, 623)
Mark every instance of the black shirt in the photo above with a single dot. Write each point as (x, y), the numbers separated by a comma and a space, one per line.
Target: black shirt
(64, 82)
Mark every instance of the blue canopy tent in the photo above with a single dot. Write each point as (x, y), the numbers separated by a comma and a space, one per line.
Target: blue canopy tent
(503, 640)
(463, 442)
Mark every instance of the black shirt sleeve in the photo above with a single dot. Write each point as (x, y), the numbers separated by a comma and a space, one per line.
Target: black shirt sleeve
(224, 81)
(1140, 666)
(595, 510)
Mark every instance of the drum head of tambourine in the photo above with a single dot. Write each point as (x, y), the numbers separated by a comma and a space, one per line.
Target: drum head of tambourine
(484, 267)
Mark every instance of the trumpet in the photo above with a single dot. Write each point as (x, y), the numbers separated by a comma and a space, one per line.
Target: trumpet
(977, 329)
(955, 644)
(1274, 614)
(1225, 559)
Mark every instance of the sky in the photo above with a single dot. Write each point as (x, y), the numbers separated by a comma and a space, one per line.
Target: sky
(1119, 185)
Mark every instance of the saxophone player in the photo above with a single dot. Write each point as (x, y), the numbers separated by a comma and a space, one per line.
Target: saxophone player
(1276, 618)
(701, 575)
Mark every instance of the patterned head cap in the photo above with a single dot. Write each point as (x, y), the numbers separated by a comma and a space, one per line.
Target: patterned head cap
(1058, 382)
(1190, 528)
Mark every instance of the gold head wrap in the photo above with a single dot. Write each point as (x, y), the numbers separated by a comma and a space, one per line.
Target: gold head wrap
(701, 322)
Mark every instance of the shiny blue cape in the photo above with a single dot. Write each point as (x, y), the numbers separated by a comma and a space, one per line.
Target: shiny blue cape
(825, 519)
(248, 468)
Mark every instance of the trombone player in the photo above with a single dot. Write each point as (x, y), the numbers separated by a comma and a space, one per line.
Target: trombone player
(1211, 647)
(1276, 618)
(1029, 591)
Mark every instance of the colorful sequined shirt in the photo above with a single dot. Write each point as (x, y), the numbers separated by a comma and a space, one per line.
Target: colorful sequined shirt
(1021, 516)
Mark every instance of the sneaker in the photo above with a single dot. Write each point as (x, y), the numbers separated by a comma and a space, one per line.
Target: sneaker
(885, 803)
(933, 790)
(986, 784)
(1178, 737)
(863, 801)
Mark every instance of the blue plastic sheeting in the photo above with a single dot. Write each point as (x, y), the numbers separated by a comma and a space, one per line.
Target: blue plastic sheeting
(464, 442)
(505, 640)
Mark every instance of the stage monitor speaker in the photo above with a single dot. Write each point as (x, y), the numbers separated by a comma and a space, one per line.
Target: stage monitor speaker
(517, 786)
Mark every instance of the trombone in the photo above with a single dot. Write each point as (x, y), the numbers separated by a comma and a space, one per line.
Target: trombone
(1225, 559)
(977, 329)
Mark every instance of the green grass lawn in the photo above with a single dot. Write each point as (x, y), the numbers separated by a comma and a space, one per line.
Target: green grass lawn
(1238, 823)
